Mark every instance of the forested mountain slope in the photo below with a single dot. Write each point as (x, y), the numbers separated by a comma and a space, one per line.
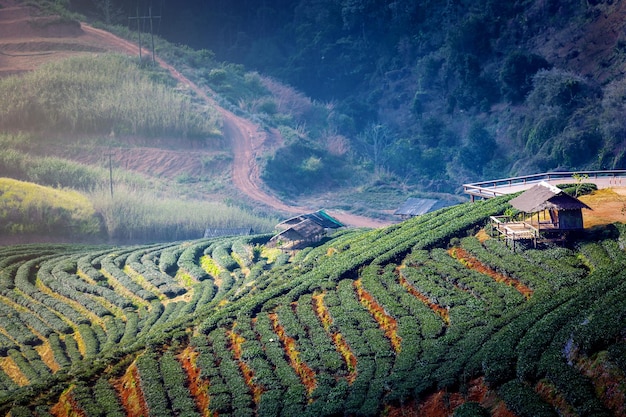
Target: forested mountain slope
(435, 93)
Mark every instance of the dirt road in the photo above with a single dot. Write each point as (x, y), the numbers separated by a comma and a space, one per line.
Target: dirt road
(23, 47)
(246, 140)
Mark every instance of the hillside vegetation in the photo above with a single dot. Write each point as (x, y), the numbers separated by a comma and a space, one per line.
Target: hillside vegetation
(81, 206)
(383, 100)
(30, 208)
(418, 317)
(101, 94)
(61, 121)
(433, 94)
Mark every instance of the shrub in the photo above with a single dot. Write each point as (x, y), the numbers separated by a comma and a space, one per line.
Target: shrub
(524, 401)
(517, 72)
(561, 89)
(470, 409)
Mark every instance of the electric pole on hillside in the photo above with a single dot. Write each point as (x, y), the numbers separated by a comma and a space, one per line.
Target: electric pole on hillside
(111, 173)
(144, 18)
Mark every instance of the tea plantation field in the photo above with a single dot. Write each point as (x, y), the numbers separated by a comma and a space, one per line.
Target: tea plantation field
(419, 317)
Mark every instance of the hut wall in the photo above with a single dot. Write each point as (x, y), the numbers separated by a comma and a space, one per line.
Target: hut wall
(570, 219)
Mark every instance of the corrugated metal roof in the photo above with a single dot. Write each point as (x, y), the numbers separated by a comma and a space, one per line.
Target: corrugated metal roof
(304, 230)
(324, 219)
(320, 217)
(418, 206)
(544, 196)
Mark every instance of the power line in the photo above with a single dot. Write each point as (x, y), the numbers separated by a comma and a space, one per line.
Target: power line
(143, 19)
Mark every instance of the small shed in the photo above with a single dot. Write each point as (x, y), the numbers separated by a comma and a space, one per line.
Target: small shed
(319, 217)
(557, 214)
(561, 212)
(303, 230)
(299, 235)
(418, 206)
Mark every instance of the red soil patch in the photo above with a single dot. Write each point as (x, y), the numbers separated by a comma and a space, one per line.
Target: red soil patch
(236, 341)
(443, 403)
(128, 388)
(306, 374)
(322, 311)
(500, 410)
(472, 263)
(608, 380)
(549, 394)
(386, 322)
(440, 404)
(340, 343)
(436, 308)
(9, 367)
(67, 406)
(198, 386)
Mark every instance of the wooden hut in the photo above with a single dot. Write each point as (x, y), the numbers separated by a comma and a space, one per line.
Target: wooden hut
(298, 236)
(319, 217)
(303, 230)
(561, 211)
(547, 212)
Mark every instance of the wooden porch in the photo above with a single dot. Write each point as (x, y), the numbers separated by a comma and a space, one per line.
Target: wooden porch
(534, 230)
(513, 231)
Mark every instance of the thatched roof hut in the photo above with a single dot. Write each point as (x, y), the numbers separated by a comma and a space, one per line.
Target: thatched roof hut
(565, 211)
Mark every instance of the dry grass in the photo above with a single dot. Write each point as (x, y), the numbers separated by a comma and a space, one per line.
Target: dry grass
(607, 206)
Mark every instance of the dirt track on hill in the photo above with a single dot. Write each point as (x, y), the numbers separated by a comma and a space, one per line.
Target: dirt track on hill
(246, 140)
(23, 47)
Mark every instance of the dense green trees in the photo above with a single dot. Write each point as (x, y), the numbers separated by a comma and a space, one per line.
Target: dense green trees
(405, 64)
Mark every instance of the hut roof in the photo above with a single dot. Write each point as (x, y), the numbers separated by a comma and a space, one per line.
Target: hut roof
(418, 206)
(319, 217)
(544, 196)
(324, 219)
(304, 230)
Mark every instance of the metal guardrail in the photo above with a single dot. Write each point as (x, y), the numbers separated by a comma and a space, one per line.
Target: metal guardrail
(494, 188)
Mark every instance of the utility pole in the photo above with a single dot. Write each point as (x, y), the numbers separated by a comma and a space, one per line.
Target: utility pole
(143, 18)
(138, 30)
(111, 174)
(152, 31)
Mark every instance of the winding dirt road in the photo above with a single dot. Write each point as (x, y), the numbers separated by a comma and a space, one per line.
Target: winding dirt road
(34, 46)
(246, 140)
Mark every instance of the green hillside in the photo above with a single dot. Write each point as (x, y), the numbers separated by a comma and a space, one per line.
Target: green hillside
(101, 94)
(434, 94)
(366, 102)
(148, 156)
(368, 323)
(30, 208)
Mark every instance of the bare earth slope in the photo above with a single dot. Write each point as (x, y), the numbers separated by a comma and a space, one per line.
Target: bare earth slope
(28, 40)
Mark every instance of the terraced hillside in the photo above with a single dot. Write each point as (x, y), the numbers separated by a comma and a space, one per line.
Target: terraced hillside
(421, 317)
